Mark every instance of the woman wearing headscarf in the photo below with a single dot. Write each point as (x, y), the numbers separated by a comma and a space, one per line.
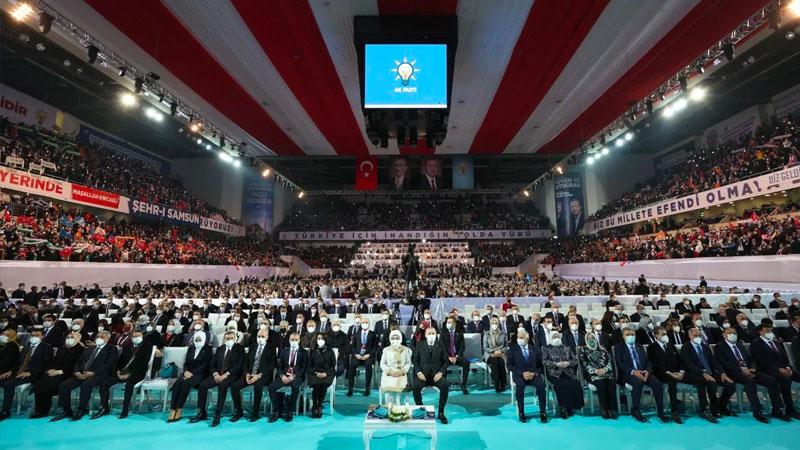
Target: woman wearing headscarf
(321, 370)
(597, 370)
(395, 364)
(561, 368)
(195, 370)
(63, 366)
(495, 346)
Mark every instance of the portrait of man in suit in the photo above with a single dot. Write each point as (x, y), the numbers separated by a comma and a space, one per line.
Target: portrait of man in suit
(399, 175)
(431, 174)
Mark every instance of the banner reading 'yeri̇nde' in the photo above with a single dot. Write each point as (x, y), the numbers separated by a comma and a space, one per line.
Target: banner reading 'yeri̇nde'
(397, 235)
(781, 180)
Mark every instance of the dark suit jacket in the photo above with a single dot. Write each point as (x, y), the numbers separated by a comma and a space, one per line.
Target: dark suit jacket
(645, 336)
(137, 366)
(300, 366)
(514, 324)
(380, 330)
(429, 359)
(40, 360)
(267, 363)
(235, 361)
(425, 184)
(664, 360)
(691, 360)
(767, 359)
(569, 340)
(369, 345)
(517, 364)
(445, 337)
(340, 311)
(557, 321)
(474, 327)
(673, 340)
(103, 364)
(198, 361)
(54, 336)
(727, 359)
(622, 356)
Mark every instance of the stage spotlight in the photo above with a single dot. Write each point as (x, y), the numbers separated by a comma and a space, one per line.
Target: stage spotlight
(199, 141)
(237, 163)
(22, 11)
(604, 151)
(138, 84)
(560, 170)
(526, 193)
(728, 51)
(628, 136)
(668, 112)
(620, 142)
(590, 160)
(697, 94)
(122, 71)
(91, 54)
(680, 104)
(127, 99)
(793, 8)
(265, 172)
(195, 127)
(208, 146)
(225, 156)
(301, 194)
(45, 22)
(173, 108)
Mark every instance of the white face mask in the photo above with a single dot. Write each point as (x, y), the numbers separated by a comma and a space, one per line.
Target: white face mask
(664, 339)
(395, 343)
(261, 340)
(698, 323)
(323, 319)
(311, 329)
(47, 324)
(726, 325)
(99, 342)
(630, 339)
(494, 326)
(698, 340)
(149, 328)
(676, 328)
(427, 316)
(770, 336)
(320, 343)
(336, 328)
(3, 339)
(476, 318)
(76, 327)
(294, 344)
(198, 327)
(229, 343)
(449, 326)
(34, 340)
(101, 328)
(199, 342)
(431, 338)
(364, 326)
(598, 327)
(549, 326)
(70, 342)
(522, 342)
(385, 317)
(732, 338)
(573, 327)
(263, 326)
(136, 340)
(743, 323)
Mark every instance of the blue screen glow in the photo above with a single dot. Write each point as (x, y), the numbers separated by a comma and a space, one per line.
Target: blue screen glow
(405, 76)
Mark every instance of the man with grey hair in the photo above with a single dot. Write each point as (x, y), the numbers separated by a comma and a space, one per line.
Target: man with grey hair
(95, 365)
(226, 369)
(258, 369)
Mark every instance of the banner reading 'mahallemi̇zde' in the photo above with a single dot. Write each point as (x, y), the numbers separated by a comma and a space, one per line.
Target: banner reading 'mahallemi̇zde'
(777, 181)
(441, 235)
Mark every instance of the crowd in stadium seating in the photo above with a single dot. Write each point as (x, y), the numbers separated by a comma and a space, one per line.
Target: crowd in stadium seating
(756, 236)
(507, 254)
(326, 256)
(43, 231)
(329, 213)
(100, 167)
(720, 165)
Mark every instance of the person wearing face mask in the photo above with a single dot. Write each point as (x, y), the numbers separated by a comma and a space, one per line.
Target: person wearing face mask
(475, 325)
(53, 335)
(337, 339)
(258, 372)
(173, 336)
(639, 314)
(6, 323)
(513, 318)
(309, 339)
(429, 359)
(283, 334)
(675, 333)
(195, 370)
(321, 370)
(62, 367)
(644, 334)
(299, 325)
(772, 360)
(226, 368)
(635, 369)
(131, 369)
(362, 349)
(597, 370)
(291, 370)
(755, 303)
(454, 344)
(616, 335)
(198, 326)
(737, 363)
(603, 338)
(745, 328)
(705, 373)
(667, 368)
(9, 352)
(572, 336)
(526, 367)
(324, 325)
(36, 356)
(684, 306)
(238, 319)
(561, 366)
(395, 364)
(487, 316)
(495, 347)
(556, 316)
(95, 365)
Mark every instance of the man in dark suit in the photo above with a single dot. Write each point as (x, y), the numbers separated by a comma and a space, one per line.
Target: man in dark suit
(639, 314)
(514, 319)
(572, 336)
(382, 326)
(19, 292)
(524, 361)
(793, 330)
(95, 365)
(667, 368)
(131, 369)
(32, 297)
(53, 335)
(430, 362)
(557, 317)
(336, 309)
(161, 319)
(362, 349)
(291, 369)
(705, 373)
(771, 358)
(258, 371)
(737, 363)
(645, 334)
(475, 325)
(453, 341)
(489, 313)
(226, 369)
(35, 358)
(400, 176)
(745, 328)
(430, 178)
(755, 303)
(635, 369)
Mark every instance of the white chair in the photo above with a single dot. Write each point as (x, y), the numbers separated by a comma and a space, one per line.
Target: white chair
(473, 352)
(121, 386)
(175, 355)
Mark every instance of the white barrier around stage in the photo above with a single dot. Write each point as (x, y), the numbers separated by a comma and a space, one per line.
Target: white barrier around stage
(45, 273)
(782, 272)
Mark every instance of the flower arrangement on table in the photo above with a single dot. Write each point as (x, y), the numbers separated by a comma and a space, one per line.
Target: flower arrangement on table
(399, 413)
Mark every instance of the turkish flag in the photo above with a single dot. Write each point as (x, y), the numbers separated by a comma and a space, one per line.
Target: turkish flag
(367, 173)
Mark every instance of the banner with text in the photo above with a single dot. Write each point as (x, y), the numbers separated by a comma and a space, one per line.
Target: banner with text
(182, 218)
(443, 235)
(257, 205)
(777, 181)
(21, 108)
(152, 162)
(570, 216)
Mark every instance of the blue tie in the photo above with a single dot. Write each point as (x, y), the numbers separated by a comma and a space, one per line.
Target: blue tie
(525, 353)
(634, 357)
(703, 358)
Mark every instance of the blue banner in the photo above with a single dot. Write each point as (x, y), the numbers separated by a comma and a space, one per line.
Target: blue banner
(90, 135)
(257, 205)
(463, 173)
(570, 212)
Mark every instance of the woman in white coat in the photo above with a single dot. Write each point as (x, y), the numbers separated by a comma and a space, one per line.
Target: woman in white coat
(395, 364)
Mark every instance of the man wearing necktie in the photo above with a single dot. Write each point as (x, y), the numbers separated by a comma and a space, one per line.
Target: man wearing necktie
(35, 358)
(258, 372)
(291, 370)
(771, 359)
(526, 367)
(131, 369)
(705, 373)
(634, 369)
(227, 368)
(454, 342)
(363, 345)
(95, 364)
(667, 368)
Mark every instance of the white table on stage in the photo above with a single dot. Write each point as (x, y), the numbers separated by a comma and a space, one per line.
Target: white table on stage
(428, 425)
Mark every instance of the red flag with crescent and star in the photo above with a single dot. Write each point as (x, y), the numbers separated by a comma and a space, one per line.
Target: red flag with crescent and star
(367, 173)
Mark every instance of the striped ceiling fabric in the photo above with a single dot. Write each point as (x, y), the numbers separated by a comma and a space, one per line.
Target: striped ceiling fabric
(529, 75)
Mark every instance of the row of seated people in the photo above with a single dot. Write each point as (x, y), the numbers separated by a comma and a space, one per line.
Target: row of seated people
(713, 167)
(310, 358)
(98, 166)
